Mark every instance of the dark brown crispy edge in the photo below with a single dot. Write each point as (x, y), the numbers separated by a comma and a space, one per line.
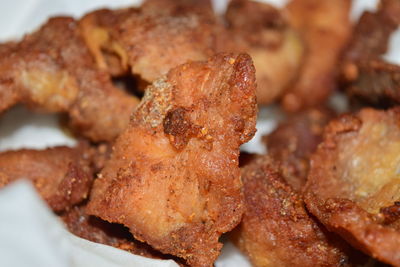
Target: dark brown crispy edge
(363, 230)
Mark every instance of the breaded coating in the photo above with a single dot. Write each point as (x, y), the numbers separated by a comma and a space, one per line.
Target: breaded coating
(63, 176)
(353, 183)
(173, 177)
(151, 40)
(325, 28)
(262, 31)
(276, 230)
(99, 231)
(294, 141)
(365, 74)
(52, 70)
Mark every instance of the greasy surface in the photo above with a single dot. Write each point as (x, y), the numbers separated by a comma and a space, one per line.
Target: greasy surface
(325, 28)
(173, 177)
(354, 182)
(153, 39)
(262, 31)
(365, 74)
(52, 70)
(294, 141)
(276, 230)
(99, 231)
(62, 176)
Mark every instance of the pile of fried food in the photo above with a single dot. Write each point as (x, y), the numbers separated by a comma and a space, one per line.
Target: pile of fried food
(160, 175)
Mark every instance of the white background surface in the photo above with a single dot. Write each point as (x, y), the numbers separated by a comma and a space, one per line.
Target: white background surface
(22, 215)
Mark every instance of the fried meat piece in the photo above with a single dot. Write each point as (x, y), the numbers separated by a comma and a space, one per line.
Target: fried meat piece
(52, 70)
(364, 72)
(294, 141)
(262, 31)
(173, 178)
(94, 229)
(63, 176)
(325, 28)
(151, 40)
(276, 230)
(373, 80)
(353, 183)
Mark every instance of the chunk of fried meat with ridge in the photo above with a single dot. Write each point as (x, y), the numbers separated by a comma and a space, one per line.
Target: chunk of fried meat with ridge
(353, 183)
(63, 176)
(276, 229)
(173, 177)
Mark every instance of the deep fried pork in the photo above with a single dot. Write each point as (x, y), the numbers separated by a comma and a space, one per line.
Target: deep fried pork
(151, 40)
(173, 178)
(62, 175)
(52, 70)
(325, 28)
(262, 31)
(353, 183)
(364, 72)
(294, 141)
(276, 230)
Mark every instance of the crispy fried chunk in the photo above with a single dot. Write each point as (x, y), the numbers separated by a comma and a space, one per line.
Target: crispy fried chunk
(276, 230)
(262, 31)
(365, 74)
(52, 70)
(63, 176)
(325, 28)
(353, 183)
(181, 200)
(151, 40)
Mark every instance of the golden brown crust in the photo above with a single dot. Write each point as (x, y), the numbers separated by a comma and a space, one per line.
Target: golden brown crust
(52, 70)
(63, 176)
(153, 39)
(262, 31)
(180, 196)
(294, 141)
(353, 181)
(325, 28)
(276, 230)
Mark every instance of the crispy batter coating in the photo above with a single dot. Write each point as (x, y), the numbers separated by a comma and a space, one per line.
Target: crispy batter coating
(52, 70)
(276, 230)
(364, 73)
(173, 178)
(63, 176)
(325, 28)
(353, 183)
(262, 31)
(153, 39)
(294, 141)
(99, 231)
